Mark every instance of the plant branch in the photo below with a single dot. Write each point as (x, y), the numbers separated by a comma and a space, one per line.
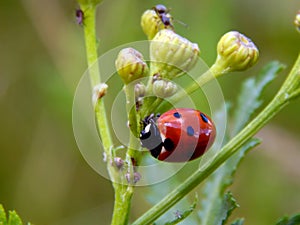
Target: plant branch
(94, 72)
(209, 75)
(123, 192)
(282, 98)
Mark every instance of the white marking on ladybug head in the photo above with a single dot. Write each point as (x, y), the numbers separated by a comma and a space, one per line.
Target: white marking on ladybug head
(147, 128)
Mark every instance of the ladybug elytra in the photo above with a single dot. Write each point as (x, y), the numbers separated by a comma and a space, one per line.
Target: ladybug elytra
(178, 135)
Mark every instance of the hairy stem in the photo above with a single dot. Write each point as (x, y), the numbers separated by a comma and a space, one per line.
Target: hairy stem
(123, 191)
(94, 72)
(283, 97)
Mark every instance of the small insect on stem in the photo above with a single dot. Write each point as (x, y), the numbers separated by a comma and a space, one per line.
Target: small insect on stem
(163, 13)
(79, 14)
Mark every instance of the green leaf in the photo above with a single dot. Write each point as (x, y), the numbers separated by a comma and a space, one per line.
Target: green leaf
(213, 211)
(238, 222)
(14, 219)
(293, 220)
(248, 100)
(229, 204)
(181, 216)
(3, 220)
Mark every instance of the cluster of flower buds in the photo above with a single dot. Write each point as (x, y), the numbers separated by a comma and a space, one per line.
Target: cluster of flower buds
(172, 55)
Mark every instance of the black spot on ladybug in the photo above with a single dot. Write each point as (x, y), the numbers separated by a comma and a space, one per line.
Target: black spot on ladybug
(204, 118)
(190, 131)
(156, 151)
(177, 115)
(168, 144)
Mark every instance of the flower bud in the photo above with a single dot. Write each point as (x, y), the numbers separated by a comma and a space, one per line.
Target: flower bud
(151, 23)
(99, 91)
(164, 88)
(297, 21)
(139, 90)
(171, 55)
(236, 52)
(131, 65)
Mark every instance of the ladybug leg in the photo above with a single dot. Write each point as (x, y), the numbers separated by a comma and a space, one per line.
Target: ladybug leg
(156, 151)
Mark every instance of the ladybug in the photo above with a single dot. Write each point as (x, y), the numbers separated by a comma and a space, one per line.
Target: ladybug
(178, 135)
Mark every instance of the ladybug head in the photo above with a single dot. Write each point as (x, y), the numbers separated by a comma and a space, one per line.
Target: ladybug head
(150, 136)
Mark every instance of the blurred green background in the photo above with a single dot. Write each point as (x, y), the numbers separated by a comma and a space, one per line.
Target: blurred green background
(43, 175)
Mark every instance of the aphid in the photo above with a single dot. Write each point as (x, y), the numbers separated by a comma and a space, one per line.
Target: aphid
(79, 14)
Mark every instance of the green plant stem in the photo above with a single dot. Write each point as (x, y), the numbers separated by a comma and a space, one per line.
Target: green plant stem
(123, 192)
(94, 72)
(280, 101)
(209, 75)
(123, 195)
(151, 104)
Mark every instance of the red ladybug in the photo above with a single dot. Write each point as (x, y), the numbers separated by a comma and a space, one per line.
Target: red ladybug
(178, 135)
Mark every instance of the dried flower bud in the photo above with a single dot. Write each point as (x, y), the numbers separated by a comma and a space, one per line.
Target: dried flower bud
(171, 55)
(297, 21)
(152, 22)
(98, 92)
(131, 65)
(164, 89)
(236, 52)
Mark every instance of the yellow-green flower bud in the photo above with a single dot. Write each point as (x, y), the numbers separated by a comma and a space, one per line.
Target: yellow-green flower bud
(171, 55)
(151, 23)
(131, 65)
(164, 88)
(297, 21)
(236, 52)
